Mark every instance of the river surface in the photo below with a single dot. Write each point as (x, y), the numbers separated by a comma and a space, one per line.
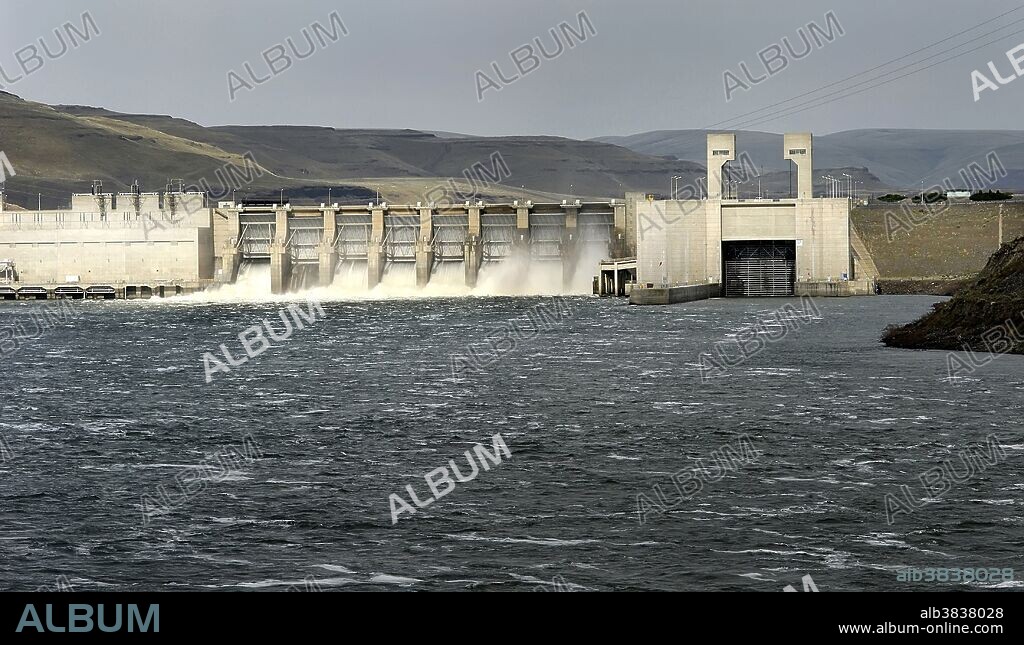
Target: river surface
(106, 410)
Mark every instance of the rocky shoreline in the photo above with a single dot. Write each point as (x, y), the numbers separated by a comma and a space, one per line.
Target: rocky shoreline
(985, 315)
(921, 287)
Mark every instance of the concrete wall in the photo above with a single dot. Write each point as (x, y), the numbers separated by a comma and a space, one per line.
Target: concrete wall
(672, 295)
(632, 199)
(823, 239)
(105, 255)
(224, 228)
(759, 222)
(125, 204)
(90, 203)
(672, 242)
(116, 247)
(681, 241)
(835, 289)
(189, 208)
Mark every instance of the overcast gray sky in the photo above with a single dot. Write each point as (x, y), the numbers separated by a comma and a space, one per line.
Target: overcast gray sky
(653, 64)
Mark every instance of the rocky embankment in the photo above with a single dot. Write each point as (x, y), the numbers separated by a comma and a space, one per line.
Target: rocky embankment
(984, 313)
(921, 287)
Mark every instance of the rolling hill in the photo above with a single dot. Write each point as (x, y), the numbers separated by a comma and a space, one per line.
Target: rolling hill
(56, 150)
(59, 149)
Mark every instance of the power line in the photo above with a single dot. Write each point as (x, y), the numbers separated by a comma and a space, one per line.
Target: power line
(790, 111)
(879, 67)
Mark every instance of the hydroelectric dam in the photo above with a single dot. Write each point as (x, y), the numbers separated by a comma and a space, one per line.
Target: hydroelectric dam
(141, 245)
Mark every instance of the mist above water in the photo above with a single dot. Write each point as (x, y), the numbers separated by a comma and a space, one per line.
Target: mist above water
(518, 275)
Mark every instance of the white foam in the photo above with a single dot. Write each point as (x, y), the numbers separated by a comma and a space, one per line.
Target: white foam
(513, 276)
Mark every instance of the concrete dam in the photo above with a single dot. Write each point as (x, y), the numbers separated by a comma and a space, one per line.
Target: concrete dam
(140, 245)
(308, 246)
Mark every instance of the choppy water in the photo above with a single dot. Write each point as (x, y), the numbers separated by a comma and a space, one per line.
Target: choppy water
(595, 410)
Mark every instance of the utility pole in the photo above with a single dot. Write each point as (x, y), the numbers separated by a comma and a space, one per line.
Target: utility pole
(1000, 226)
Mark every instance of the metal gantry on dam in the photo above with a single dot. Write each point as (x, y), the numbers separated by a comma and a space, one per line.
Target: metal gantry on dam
(300, 241)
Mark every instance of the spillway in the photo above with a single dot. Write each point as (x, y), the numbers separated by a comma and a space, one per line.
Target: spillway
(426, 249)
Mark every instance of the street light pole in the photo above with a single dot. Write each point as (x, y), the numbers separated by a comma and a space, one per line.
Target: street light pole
(1000, 226)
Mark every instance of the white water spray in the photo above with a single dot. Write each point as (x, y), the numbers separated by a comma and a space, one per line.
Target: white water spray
(518, 275)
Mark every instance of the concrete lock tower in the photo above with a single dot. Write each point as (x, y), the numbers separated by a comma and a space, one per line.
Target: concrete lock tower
(726, 245)
(798, 149)
(721, 150)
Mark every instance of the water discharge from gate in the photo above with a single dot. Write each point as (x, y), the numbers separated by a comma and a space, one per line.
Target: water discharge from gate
(517, 275)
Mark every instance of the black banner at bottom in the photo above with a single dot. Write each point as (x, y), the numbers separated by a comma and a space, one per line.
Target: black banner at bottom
(843, 616)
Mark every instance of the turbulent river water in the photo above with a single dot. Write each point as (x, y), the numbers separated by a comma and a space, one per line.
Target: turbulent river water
(111, 410)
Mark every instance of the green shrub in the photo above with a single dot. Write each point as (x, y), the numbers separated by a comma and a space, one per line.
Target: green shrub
(892, 198)
(990, 196)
